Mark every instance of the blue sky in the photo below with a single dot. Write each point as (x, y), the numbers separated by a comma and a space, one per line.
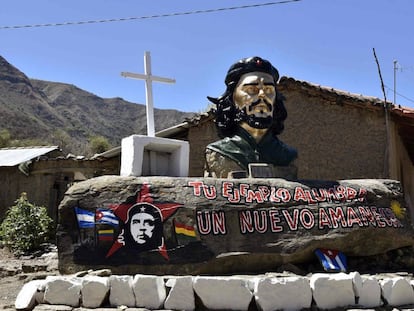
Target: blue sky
(325, 42)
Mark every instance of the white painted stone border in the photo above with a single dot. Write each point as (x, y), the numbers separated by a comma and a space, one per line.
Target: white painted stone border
(268, 292)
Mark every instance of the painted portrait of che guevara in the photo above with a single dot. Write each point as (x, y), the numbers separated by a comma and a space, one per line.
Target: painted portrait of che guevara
(143, 228)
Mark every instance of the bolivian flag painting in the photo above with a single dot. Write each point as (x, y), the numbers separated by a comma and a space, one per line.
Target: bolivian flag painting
(106, 235)
(184, 233)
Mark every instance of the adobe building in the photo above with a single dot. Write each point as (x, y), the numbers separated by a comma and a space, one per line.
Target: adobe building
(45, 175)
(338, 135)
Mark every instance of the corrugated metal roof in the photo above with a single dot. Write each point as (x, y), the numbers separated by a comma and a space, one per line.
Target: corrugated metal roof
(15, 156)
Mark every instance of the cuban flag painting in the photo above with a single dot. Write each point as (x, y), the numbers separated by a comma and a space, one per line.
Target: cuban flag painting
(86, 219)
(331, 260)
(106, 216)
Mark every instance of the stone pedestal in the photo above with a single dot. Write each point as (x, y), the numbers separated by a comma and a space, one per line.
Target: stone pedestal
(220, 226)
(154, 156)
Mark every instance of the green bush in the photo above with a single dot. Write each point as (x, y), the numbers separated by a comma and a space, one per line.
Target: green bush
(26, 226)
(99, 144)
(5, 138)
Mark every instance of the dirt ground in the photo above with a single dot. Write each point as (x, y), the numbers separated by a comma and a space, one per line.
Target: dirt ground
(15, 272)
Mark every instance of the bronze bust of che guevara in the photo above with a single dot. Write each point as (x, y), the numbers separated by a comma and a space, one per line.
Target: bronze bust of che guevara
(249, 116)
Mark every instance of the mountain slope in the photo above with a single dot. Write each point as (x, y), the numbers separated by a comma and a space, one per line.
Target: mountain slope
(23, 110)
(63, 114)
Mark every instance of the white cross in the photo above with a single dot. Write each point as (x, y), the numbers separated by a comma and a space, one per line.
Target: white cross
(148, 77)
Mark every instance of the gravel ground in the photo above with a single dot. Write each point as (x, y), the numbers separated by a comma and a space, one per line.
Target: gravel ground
(15, 272)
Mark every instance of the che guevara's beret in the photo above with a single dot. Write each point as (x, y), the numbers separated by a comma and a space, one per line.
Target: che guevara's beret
(247, 65)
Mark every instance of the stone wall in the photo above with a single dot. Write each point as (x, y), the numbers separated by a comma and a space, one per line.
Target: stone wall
(266, 292)
(337, 137)
(199, 137)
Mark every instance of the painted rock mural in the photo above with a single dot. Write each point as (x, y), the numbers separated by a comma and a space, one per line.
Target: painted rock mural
(166, 225)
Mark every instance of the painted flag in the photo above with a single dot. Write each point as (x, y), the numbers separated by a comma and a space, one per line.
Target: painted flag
(331, 260)
(106, 216)
(106, 235)
(184, 233)
(86, 219)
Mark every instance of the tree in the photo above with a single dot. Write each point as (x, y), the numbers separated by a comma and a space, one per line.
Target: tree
(61, 138)
(99, 144)
(5, 138)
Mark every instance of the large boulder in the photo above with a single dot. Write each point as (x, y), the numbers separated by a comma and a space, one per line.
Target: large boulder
(166, 225)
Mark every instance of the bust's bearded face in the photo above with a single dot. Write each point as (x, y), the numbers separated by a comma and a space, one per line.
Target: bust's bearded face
(254, 96)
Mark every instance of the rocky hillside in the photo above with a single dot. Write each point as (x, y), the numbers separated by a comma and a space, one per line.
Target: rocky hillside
(65, 115)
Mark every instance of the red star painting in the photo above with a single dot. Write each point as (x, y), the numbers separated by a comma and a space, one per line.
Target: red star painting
(141, 223)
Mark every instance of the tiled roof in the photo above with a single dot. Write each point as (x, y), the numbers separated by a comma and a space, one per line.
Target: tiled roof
(285, 82)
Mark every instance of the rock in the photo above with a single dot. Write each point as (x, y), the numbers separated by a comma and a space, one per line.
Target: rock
(367, 290)
(332, 290)
(102, 272)
(282, 293)
(356, 283)
(82, 273)
(223, 226)
(181, 294)
(397, 291)
(26, 298)
(51, 259)
(34, 268)
(221, 293)
(370, 293)
(45, 307)
(94, 291)
(55, 287)
(121, 293)
(149, 291)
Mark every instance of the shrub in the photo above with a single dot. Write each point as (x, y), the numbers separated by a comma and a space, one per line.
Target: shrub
(5, 138)
(99, 144)
(26, 226)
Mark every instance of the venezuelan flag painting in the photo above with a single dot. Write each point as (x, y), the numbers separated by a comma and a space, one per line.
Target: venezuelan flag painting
(184, 233)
